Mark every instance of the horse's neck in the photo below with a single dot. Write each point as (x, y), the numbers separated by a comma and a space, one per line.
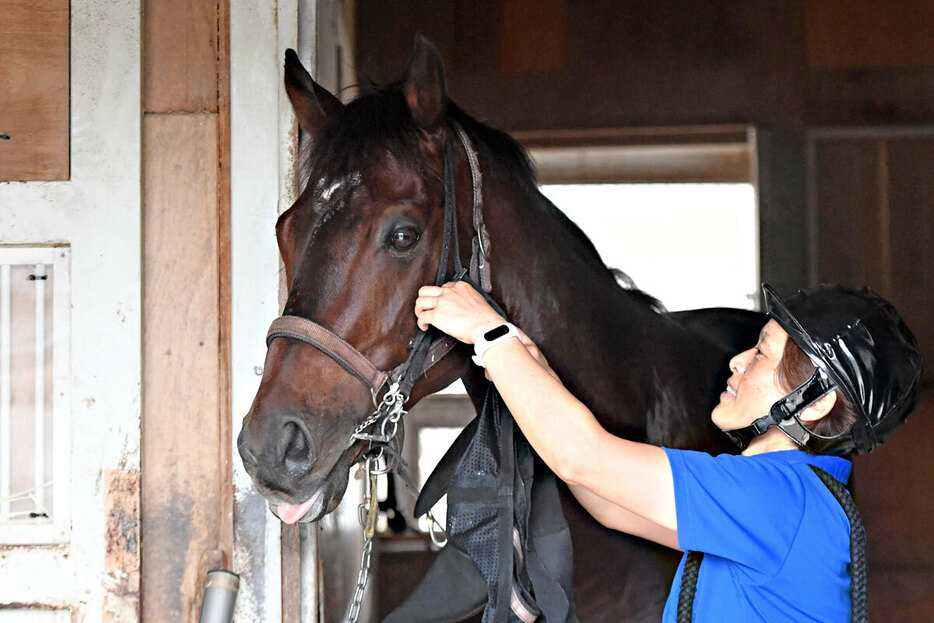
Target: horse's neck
(608, 346)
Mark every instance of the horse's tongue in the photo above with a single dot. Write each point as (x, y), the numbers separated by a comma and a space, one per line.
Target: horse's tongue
(290, 513)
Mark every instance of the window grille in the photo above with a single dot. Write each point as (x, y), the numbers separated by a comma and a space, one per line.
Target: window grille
(34, 376)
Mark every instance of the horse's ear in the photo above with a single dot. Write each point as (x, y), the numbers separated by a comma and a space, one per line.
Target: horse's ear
(311, 101)
(423, 85)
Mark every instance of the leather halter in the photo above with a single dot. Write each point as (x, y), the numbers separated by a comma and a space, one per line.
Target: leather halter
(427, 347)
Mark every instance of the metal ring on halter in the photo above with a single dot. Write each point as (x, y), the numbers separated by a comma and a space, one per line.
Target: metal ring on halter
(384, 470)
(385, 431)
(376, 458)
(432, 522)
(393, 388)
(391, 393)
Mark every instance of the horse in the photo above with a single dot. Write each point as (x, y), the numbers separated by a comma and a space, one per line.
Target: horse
(365, 234)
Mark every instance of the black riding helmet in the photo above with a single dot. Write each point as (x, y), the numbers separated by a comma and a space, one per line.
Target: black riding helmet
(860, 346)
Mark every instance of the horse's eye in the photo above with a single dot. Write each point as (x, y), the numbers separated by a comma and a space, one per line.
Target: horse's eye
(403, 238)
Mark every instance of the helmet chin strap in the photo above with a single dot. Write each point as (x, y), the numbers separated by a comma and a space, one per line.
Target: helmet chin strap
(784, 415)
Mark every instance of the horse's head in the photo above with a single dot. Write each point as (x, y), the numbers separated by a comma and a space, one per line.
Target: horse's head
(360, 240)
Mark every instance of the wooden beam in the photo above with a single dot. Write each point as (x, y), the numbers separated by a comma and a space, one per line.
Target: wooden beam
(180, 428)
(291, 552)
(224, 359)
(180, 61)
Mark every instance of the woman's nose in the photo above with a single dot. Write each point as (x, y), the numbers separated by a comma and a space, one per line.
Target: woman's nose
(738, 362)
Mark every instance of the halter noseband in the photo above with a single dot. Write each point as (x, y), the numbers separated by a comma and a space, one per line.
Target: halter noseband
(427, 347)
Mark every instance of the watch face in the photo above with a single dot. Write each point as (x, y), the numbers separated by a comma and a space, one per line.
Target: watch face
(496, 332)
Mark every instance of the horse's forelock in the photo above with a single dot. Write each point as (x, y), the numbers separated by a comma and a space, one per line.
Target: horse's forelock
(360, 136)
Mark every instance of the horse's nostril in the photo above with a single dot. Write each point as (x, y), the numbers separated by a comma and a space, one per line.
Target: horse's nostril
(296, 447)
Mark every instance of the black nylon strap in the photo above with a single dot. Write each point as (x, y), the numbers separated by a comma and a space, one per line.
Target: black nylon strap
(422, 341)
(450, 256)
(783, 414)
(450, 206)
(449, 231)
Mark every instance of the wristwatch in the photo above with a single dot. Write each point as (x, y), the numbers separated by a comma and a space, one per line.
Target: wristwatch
(491, 338)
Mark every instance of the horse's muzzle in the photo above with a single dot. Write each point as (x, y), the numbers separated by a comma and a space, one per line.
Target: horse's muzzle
(285, 457)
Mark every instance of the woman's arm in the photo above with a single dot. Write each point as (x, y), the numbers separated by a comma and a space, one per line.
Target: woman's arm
(618, 518)
(634, 476)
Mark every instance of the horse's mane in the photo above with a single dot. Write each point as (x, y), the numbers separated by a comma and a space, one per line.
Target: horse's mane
(357, 136)
(511, 160)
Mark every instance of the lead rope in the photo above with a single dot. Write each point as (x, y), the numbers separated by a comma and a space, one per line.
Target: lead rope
(859, 572)
(859, 567)
(688, 586)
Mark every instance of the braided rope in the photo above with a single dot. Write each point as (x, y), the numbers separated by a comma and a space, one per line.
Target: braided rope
(859, 568)
(689, 586)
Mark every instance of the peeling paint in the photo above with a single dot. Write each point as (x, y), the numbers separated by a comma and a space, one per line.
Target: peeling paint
(122, 540)
(19, 605)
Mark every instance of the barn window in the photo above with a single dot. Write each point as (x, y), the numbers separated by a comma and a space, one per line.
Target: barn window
(690, 245)
(34, 451)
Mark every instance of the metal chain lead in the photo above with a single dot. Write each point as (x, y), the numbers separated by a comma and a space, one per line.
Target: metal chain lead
(368, 512)
(362, 577)
(389, 410)
(387, 415)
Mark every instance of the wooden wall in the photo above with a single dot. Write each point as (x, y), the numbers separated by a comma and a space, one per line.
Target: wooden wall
(559, 64)
(34, 90)
(874, 203)
(187, 492)
(873, 191)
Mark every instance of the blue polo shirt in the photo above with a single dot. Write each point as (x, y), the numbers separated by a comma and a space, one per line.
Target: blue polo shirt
(776, 542)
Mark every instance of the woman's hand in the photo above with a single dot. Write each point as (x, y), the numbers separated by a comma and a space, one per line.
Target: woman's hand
(457, 309)
(460, 311)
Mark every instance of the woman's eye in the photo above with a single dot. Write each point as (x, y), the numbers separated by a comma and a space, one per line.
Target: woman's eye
(403, 238)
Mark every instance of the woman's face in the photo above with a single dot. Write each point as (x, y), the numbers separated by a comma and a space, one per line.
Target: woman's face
(753, 388)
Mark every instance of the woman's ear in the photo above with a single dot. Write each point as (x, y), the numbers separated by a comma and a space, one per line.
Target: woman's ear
(819, 408)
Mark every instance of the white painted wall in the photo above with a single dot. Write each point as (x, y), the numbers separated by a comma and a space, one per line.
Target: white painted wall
(97, 213)
(262, 170)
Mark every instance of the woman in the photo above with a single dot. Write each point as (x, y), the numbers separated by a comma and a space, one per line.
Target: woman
(835, 370)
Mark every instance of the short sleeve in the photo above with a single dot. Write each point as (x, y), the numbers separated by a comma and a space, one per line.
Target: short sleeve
(739, 508)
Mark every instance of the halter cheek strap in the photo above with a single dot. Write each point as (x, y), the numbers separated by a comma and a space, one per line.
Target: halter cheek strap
(784, 415)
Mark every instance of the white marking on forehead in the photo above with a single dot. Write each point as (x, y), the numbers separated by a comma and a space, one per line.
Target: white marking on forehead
(336, 190)
(327, 192)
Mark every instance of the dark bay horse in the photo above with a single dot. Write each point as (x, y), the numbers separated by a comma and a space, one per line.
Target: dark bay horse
(366, 233)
